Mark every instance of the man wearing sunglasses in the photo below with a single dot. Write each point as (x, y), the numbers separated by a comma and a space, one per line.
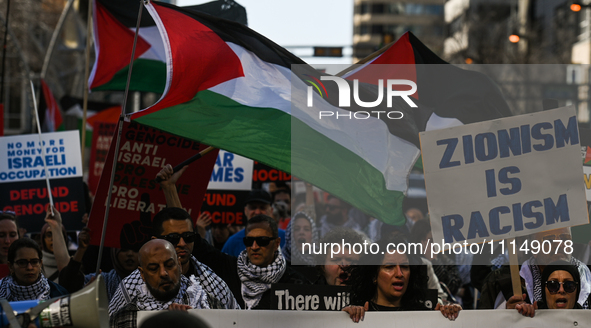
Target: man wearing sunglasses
(258, 202)
(532, 268)
(258, 266)
(174, 225)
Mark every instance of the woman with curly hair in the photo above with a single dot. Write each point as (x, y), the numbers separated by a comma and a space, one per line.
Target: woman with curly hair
(398, 284)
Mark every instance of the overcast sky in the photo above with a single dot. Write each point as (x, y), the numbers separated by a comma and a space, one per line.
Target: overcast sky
(300, 23)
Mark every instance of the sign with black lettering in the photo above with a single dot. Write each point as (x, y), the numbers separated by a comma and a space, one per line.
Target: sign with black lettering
(23, 189)
(136, 196)
(504, 178)
(309, 297)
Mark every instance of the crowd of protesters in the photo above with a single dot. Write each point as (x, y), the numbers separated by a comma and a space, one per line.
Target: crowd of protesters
(214, 266)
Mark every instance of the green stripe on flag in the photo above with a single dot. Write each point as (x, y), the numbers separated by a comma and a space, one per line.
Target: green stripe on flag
(265, 134)
(148, 76)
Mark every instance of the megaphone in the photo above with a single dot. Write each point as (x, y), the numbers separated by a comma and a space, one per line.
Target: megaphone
(86, 308)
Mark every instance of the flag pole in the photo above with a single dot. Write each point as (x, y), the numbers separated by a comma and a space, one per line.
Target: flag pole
(188, 161)
(119, 131)
(42, 148)
(86, 73)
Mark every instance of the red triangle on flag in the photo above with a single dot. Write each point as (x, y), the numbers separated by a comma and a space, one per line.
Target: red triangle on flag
(400, 61)
(114, 43)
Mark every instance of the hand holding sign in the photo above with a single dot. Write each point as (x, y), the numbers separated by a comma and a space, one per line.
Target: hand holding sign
(356, 312)
(53, 218)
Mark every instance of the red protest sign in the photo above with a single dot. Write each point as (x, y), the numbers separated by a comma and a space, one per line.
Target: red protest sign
(102, 134)
(264, 173)
(136, 197)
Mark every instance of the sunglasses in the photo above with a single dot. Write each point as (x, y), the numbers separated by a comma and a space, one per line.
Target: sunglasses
(554, 286)
(261, 241)
(25, 263)
(175, 238)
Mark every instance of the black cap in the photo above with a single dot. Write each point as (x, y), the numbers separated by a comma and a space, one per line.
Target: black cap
(258, 195)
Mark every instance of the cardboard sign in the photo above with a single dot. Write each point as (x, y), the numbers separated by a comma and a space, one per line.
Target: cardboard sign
(102, 135)
(309, 297)
(137, 197)
(22, 178)
(504, 178)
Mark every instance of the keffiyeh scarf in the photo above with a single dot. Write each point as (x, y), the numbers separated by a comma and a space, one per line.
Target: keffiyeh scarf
(133, 290)
(533, 280)
(295, 255)
(12, 291)
(217, 290)
(257, 280)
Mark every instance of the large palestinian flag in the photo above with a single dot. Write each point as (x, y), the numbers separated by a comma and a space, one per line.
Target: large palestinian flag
(230, 87)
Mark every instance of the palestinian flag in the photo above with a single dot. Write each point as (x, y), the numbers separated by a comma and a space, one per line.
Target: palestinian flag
(449, 96)
(114, 31)
(51, 119)
(232, 88)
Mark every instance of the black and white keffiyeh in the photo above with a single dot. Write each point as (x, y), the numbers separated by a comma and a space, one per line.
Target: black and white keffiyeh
(293, 255)
(533, 280)
(257, 280)
(12, 291)
(218, 291)
(133, 290)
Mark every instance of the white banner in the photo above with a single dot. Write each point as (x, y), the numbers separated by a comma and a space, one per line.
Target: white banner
(21, 157)
(504, 178)
(416, 319)
(231, 172)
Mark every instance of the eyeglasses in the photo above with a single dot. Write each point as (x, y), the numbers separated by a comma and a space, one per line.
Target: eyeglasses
(563, 236)
(175, 238)
(261, 241)
(25, 263)
(554, 286)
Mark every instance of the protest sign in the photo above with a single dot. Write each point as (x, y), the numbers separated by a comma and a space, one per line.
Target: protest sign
(22, 178)
(102, 135)
(395, 319)
(504, 178)
(309, 297)
(264, 173)
(137, 197)
(228, 187)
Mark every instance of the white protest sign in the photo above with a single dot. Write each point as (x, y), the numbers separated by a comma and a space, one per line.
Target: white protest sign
(231, 172)
(21, 157)
(504, 178)
(395, 319)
